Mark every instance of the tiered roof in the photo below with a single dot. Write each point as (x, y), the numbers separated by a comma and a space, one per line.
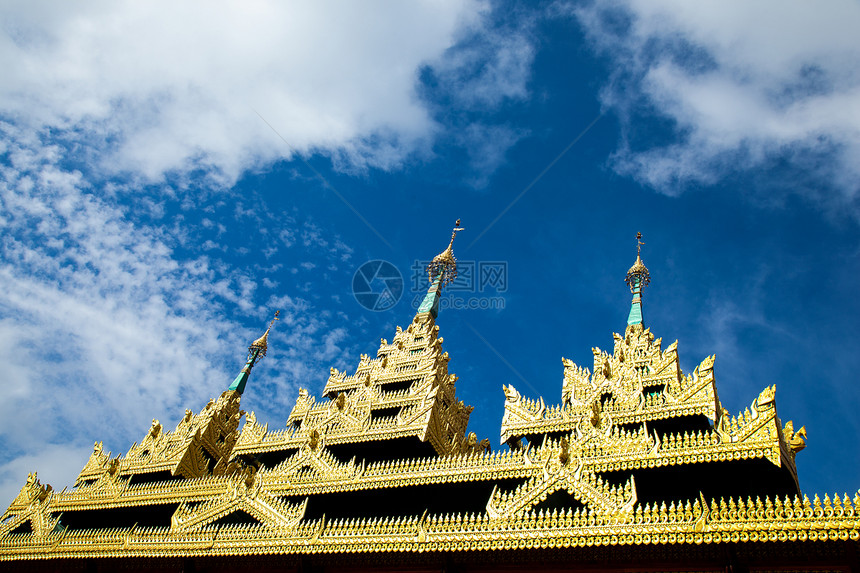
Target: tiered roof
(404, 392)
(637, 455)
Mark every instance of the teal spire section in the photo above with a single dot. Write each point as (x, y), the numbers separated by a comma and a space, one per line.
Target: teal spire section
(238, 384)
(441, 271)
(635, 316)
(430, 304)
(256, 351)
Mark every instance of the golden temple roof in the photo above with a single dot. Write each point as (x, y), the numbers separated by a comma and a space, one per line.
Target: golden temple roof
(637, 454)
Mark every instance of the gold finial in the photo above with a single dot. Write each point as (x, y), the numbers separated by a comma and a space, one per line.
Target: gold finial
(444, 265)
(262, 343)
(638, 275)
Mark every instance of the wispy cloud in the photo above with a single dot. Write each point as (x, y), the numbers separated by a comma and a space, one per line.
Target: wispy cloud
(739, 86)
(490, 65)
(101, 311)
(119, 280)
(57, 464)
(97, 315)
(487, 70)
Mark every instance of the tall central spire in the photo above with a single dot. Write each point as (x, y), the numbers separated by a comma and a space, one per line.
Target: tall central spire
(637, 278)
(256, 351)
(441, 271)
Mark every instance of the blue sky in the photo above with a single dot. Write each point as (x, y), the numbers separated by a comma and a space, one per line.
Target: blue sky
(173, 173)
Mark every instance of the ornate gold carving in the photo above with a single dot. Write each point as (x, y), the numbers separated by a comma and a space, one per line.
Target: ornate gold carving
(423, 403)
(638, 274)
(638, 382)
(262, 343)
(32, 505)
(241, 495)
(444, 265)
(281, 529)
(795, 440)
(200, 445)
(588, 448)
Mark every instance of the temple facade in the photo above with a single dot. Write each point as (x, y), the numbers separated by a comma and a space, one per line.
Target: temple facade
(638, 467)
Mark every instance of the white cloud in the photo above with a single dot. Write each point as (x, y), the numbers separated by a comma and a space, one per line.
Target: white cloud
(492, 65)
(488, 69)
(168, 86)
(111, 296)
(94, 309)
(100, 314)
(57, 465)
(745, 85)
(487, 147)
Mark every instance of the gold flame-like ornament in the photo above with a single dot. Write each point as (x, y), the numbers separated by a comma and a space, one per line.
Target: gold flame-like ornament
(262, 343)
(443, 267)
(638, 270)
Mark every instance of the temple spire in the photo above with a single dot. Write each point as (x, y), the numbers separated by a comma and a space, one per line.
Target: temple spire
(637, 278)
(256, 351)
(441, 271)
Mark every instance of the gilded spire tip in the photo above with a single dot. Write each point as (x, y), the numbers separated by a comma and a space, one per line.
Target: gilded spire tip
(262, 343)
(443, 267)
(256, 351)
(638, 275)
